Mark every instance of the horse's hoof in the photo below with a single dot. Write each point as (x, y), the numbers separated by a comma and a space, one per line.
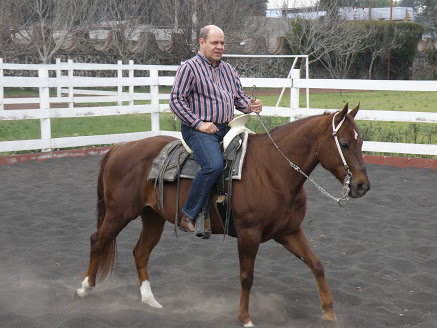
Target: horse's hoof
(329, 324)
(329, 320)
(152, 302)
(76, 296)
(249, 324)
(329, 317)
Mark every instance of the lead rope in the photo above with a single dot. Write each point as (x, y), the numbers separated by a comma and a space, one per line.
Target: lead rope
(344, 198)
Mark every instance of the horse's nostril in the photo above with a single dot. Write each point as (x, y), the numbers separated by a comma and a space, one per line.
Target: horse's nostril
(362, 188)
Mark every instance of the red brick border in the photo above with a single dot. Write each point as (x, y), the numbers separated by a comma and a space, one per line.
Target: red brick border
(401, 162)
(22, 158)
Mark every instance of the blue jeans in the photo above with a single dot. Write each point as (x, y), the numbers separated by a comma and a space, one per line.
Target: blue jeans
(206, 149)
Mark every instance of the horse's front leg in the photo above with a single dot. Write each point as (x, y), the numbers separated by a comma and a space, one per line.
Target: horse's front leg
(298, 245)
(248, 244)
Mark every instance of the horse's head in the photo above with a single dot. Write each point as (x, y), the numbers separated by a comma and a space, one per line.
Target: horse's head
(339, 151)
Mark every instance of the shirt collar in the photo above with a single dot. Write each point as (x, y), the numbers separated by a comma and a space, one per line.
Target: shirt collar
(207, 60)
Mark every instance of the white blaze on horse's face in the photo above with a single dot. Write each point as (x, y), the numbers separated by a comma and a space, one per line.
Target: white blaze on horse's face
(355, 134)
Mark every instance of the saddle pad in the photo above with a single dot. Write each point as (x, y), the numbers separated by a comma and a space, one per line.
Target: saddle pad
(166, 163)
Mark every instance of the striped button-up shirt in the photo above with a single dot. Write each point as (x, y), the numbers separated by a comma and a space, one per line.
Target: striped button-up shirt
(204, 93)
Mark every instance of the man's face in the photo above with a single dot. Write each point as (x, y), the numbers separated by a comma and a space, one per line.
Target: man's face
(214, 45)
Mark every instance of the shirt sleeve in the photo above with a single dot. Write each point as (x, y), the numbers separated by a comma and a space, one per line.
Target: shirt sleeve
(179, 96)
(241, 100)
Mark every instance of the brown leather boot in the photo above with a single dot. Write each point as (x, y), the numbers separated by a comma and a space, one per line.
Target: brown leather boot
(186, 224)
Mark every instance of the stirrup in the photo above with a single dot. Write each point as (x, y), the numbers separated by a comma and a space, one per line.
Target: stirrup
(220, 199)
(202, 227)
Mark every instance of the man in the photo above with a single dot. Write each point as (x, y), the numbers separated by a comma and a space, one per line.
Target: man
(203, 97)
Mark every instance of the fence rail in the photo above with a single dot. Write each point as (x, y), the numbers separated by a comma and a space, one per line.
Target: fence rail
(70, 90)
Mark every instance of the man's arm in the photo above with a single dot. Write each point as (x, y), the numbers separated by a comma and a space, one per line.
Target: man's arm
(182, 87)
(242, 102)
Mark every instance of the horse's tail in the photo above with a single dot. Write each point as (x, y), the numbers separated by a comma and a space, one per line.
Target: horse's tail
(107, 256)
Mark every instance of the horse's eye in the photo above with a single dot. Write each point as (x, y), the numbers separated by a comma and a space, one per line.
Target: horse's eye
(344, 145)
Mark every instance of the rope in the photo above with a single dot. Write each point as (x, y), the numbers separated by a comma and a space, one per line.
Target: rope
(344, 198)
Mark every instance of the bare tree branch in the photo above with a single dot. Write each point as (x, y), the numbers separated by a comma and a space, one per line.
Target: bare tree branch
(125, 20)
(47, 24)
(239, 20)
(326, 36)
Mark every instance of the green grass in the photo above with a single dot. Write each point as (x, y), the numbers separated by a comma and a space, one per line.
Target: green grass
(78, 126)
(369, 100)
(373, 100)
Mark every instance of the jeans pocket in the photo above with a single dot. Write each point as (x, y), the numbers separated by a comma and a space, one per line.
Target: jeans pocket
(187, 133)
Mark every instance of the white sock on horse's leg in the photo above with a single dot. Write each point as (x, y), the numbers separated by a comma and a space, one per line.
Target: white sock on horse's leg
(85, 290)
(147, 295)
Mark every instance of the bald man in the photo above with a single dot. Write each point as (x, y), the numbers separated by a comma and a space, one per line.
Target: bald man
(204, 95)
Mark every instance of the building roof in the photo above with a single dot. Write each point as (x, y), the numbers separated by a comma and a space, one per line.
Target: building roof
(351, 13)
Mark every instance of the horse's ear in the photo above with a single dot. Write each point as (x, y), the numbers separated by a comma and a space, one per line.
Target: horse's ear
(354, 111)
(342, 113)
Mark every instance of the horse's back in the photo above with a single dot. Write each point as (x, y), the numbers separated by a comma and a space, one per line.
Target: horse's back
(129, 163)
(137, 152)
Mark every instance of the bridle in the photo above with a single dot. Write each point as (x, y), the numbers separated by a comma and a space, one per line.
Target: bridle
(344, 195)
(347, 178)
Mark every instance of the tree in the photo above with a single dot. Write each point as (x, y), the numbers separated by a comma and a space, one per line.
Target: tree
(382, 38)
(411, 3)
(325, 36)
(124, 20)
(46, 25)
(8, 29)
(340, 59)
(430, 10)
(240, 21)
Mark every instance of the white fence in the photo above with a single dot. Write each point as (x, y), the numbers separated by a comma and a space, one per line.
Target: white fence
(70, 91)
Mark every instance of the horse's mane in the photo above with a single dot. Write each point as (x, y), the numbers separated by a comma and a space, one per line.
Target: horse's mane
(299, 122)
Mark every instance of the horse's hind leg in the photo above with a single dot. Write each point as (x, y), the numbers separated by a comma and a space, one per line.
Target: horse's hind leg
(298, 245)
(102, 252)
(153, 226)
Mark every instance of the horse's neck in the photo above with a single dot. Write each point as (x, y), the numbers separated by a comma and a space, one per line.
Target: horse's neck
(298, 142)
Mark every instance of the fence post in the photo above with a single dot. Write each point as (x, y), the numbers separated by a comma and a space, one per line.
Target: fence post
(294, 92)
(58, 75)
(120, 83)
(44, 103)
(154, 94)
(131, 87)
(2, 90)
(70, 88)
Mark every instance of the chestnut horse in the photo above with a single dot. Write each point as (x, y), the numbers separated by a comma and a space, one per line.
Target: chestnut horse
(268, 203)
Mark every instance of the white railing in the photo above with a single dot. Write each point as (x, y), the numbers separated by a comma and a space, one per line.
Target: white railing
(70, 91)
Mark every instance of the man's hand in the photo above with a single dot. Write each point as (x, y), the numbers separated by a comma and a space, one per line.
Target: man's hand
(255, 106)
(208, 127)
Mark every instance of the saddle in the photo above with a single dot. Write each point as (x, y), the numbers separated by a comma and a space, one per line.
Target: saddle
(176, 160)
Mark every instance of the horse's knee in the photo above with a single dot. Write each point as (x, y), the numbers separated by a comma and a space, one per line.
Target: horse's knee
(317, 268)
(246, 280)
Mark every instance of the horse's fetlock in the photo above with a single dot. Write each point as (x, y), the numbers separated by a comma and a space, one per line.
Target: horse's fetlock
(244, 318)
(328, 306)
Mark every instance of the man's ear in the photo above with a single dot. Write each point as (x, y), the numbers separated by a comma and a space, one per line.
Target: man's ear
(201, 42)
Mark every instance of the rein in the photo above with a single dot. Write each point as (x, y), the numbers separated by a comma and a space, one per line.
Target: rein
(344, 198)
